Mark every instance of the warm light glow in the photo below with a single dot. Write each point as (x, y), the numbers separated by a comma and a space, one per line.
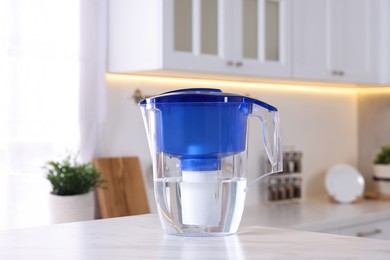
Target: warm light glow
(214, 83)
(374, 90)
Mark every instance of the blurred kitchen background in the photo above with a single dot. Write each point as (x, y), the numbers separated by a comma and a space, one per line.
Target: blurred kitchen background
(324, 64)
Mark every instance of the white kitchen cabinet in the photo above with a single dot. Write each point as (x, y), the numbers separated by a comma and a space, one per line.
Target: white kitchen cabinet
(262, 37)
(246, 37)
(338, 40)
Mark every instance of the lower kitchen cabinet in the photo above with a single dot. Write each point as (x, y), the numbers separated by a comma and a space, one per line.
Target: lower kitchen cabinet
(369, 219)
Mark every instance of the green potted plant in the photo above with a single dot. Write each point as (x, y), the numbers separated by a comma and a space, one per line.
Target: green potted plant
(73, 184)
(382, 170)
(383, 156)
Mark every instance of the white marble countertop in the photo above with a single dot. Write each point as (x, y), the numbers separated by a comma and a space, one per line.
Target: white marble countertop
(140, 237)
(316, 214)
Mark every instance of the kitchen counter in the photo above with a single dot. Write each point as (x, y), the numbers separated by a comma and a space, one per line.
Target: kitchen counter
(140, 237)
(316, 214)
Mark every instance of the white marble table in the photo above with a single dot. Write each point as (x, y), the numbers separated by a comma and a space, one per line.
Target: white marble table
(141, 237)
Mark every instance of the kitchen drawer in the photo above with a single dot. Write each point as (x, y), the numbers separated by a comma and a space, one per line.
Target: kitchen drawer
(377, 230)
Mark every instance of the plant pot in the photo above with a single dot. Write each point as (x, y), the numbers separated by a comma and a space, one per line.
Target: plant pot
(382, 178)
(382, 186)
(382, 171)
(72, 208)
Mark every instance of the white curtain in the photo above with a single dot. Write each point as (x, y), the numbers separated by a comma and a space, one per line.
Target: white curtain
(52, 66)
(93, 28)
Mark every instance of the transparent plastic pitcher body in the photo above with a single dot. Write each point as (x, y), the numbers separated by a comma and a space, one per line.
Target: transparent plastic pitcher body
(198, 143)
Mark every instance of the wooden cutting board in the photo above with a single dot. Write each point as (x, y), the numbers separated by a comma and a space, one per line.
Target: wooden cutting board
(125, 189)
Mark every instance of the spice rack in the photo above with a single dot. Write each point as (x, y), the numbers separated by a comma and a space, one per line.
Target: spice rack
(285, 187)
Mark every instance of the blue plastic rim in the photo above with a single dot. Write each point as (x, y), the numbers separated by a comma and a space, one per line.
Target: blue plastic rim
(203, 95)
(201, 126)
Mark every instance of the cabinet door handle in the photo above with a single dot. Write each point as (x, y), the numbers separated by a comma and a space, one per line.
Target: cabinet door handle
(238, 64)
(369, 233)
(229, 63)
(338, 72)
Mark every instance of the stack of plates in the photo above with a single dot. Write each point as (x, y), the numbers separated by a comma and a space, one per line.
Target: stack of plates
(344, 183)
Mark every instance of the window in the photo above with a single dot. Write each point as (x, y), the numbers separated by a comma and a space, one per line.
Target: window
(39, 83)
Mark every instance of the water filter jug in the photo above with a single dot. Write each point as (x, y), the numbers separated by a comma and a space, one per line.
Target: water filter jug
(198, 143)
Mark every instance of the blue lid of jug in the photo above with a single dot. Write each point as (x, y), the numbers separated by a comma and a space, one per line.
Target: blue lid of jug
(200, 126)
(202, 95)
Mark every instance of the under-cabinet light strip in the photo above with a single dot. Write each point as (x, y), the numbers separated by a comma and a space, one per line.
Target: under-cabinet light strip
(375, 90)
(214, 83)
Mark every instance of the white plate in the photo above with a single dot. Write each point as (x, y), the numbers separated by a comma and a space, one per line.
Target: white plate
(344, 183)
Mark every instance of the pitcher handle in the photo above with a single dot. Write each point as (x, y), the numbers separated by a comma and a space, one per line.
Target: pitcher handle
(270, 127)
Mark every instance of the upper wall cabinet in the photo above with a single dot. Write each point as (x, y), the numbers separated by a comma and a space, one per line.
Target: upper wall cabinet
(242, 37)
(338, 40)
